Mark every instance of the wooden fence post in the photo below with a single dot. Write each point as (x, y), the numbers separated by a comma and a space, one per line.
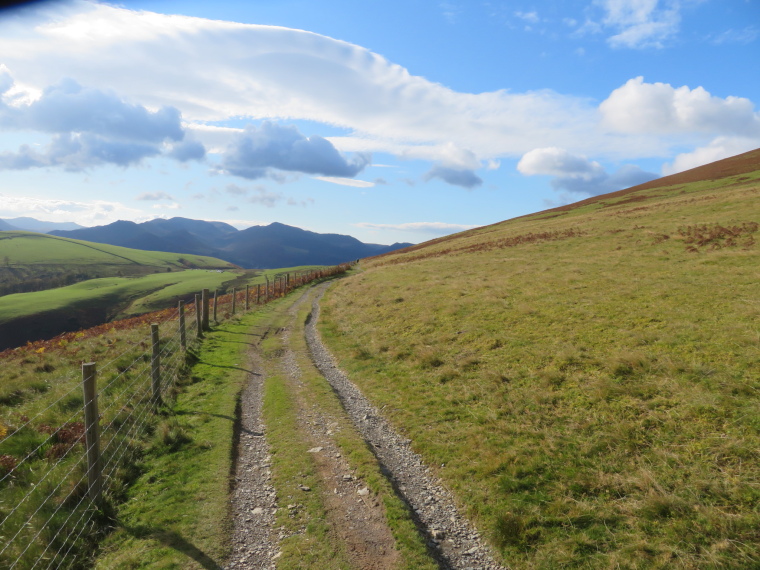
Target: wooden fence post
(182, 329)
(92, 433)
(198, 320)
(204, 297)
(258, 294)
(233, 300)
(215, 296)
(247, 297)
(155, 365)
(266, 296)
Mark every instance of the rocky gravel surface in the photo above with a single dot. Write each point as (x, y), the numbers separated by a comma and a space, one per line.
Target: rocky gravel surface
(451, 538)
(254, 501)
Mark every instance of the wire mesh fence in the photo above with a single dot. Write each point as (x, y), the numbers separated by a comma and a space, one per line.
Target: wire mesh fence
(62, 474)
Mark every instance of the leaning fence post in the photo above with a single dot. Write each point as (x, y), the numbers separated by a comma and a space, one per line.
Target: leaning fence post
(198, 320)
(155, 364)
(182, 329)
(216, 292)
(204, 297)
(247, 302)
(233, 300)
(92, 435)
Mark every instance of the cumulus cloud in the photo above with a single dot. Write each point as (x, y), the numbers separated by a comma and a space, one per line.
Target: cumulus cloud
(579, 175)
(77, 152)
(257, 150)
(437, 228)
(719, 148)
(455, 176)
(89, 127)
(659, 108)
(69, 107)
(640, 23)
(187, 150)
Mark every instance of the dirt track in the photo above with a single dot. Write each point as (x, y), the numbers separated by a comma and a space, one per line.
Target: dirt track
(356, 517)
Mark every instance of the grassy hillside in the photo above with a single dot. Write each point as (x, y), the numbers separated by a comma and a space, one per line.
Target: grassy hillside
(586, 379)
(31, 261)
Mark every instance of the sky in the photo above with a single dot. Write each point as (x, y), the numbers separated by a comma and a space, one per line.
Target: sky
(391, 121)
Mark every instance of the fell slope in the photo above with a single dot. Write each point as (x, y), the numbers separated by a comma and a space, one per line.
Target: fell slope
(588, 378)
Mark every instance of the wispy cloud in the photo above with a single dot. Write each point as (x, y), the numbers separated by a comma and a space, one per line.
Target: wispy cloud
(85, 213)
(438, 228)
(743, 36)
(154, 196)
(641, 23)
(347, 181)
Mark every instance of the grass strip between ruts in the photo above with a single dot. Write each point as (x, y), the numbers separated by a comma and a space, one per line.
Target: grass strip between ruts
(409, 542)
(308, 541)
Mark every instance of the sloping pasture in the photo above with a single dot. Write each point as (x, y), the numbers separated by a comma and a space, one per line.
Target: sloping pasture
(587, 379)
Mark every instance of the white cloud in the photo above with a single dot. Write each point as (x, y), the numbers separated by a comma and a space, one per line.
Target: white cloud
(155, 196)
(214, 70)
(555, 161)
(530, 17)
(90, 127)
(257, 150)
(92, 213)
(438, 228)
(463, 177)
(640, 23)
(659, 108)
(211, 71)
(579, 175)
(719, 148)
(744, 36)
(346, 181)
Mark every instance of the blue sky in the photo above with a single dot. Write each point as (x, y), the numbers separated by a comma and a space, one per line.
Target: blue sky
(389, 121)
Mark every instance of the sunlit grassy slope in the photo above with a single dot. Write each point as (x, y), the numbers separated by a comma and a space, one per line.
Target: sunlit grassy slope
(587, 379)
(25, 249)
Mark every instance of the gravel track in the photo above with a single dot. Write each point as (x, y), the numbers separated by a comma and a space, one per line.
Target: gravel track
(452, 539)
(254, 500)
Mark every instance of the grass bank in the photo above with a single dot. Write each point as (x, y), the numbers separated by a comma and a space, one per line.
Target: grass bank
(588, 378)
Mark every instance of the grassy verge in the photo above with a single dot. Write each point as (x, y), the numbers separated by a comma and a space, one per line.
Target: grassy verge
(177, 511)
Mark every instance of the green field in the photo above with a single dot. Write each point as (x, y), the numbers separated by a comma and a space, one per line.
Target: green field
(32, 262)
(586, 380)
(25, 249)
(153, 291)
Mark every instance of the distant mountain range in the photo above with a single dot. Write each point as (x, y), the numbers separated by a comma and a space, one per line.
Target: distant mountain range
(258, 247)
(32, 225)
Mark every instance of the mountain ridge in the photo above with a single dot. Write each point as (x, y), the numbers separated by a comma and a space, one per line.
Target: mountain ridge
(257, 247)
